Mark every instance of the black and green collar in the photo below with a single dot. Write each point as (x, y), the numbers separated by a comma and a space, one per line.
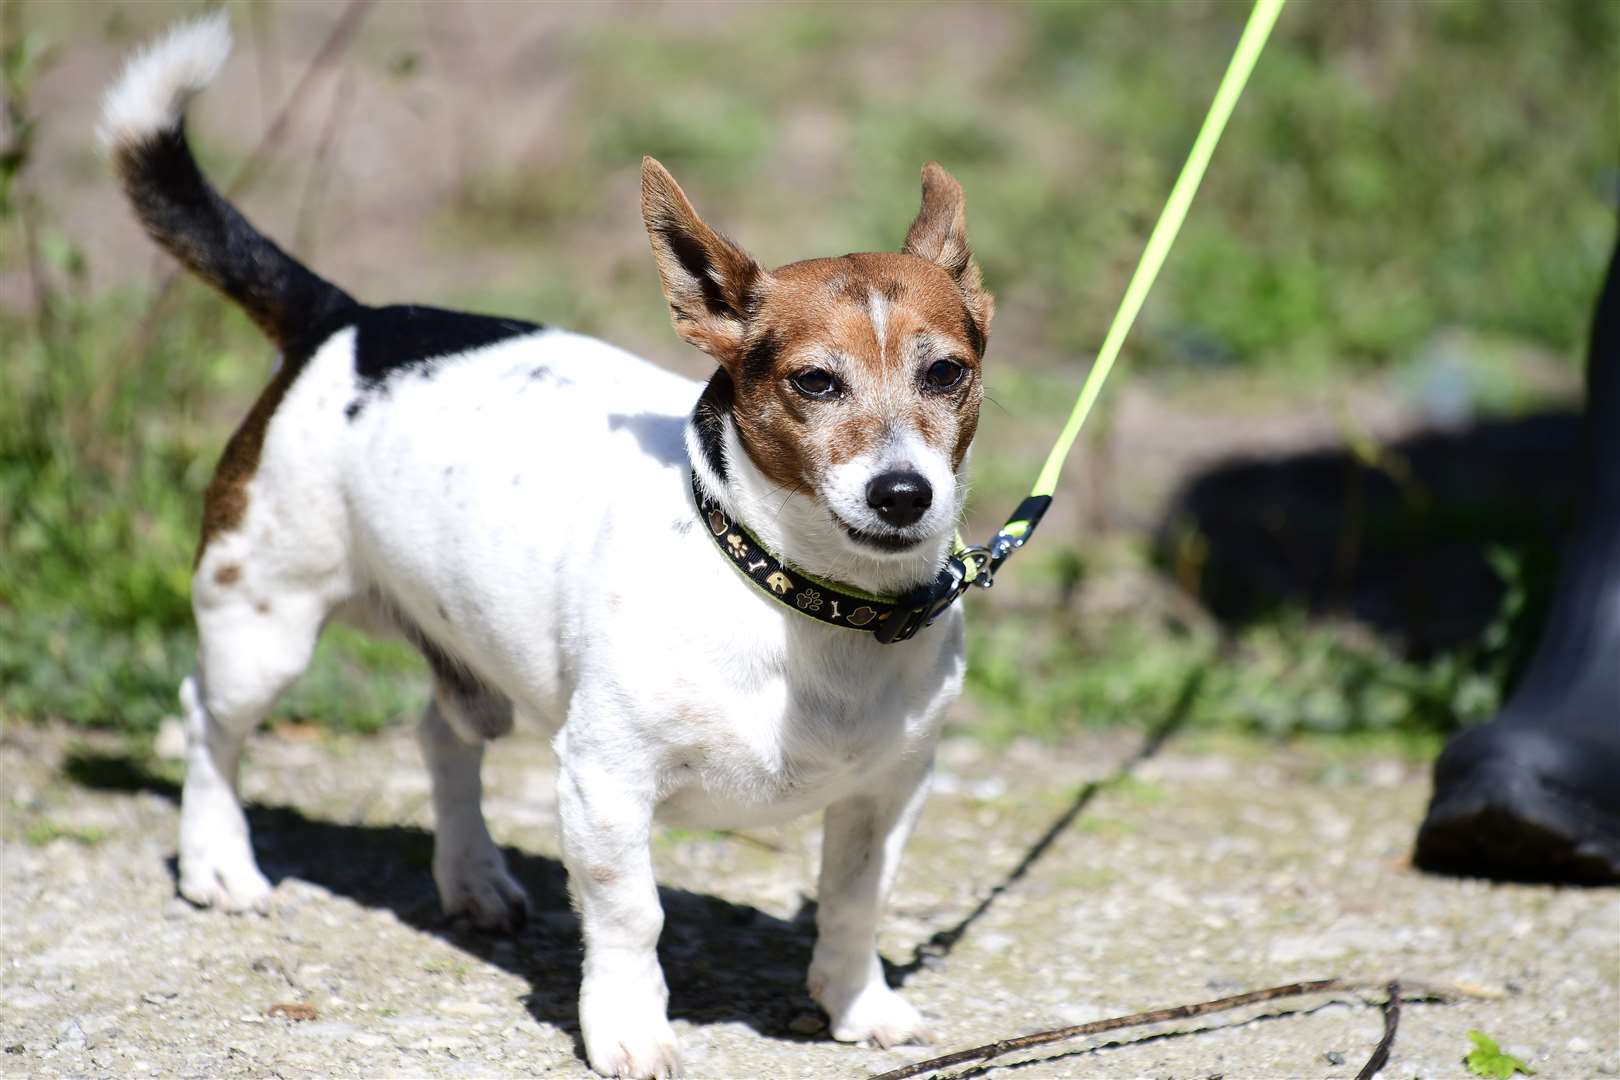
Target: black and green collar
(890, 619)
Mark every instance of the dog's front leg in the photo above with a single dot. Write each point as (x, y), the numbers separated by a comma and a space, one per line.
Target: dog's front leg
(606, 810)
(860, 852)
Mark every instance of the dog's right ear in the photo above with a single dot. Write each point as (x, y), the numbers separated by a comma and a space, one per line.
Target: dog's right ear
(708, 281)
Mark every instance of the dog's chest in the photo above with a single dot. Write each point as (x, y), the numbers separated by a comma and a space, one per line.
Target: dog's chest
(826, 728)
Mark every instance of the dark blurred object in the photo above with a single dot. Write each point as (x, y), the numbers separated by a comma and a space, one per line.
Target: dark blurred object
(1400, 543)
(1534, 793)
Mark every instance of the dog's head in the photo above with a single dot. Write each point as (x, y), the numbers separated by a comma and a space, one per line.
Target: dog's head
(854, 381)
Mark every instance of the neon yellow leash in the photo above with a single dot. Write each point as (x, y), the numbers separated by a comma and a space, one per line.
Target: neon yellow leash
(977, 565)
(1261, 20)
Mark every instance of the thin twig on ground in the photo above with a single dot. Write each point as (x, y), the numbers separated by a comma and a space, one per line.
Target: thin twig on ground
(1392, 1020)
(1185, 1012)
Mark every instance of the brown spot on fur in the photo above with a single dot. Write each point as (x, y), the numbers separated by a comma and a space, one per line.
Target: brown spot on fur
(603, 875)
(225, 502)
(262, 607)
(229, 574)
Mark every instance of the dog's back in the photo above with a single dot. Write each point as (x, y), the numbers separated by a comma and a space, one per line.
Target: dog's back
(340, 490)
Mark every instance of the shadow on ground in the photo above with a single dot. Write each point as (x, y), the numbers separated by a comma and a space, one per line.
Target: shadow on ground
(1395, 536)
(724, 962)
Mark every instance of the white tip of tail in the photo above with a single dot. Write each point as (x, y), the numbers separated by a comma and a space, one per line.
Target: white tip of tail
(151, 95)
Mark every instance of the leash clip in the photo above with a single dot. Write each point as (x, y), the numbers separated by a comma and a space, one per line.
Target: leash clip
(1016, 532)
(969, 566)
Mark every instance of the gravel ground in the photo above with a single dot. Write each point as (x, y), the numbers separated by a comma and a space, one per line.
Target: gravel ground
(1206, 868)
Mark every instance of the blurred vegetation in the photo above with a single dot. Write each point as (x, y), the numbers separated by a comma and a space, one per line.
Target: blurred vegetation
(1395, 172)
(1393, 169)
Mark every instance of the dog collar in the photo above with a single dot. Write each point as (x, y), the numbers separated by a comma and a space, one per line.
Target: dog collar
(889, 619)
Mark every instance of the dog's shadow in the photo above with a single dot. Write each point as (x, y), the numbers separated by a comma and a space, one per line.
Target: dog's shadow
(724, 962)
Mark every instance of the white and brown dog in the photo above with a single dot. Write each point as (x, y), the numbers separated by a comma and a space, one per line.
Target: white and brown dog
(500, 494)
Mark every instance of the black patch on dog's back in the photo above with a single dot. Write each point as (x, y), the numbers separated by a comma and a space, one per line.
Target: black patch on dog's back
(402, 336)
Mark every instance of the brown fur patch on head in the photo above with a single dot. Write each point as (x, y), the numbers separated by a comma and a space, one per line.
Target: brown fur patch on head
(229, 574)
(876, 321)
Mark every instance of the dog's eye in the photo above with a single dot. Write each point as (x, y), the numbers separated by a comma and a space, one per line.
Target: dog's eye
(943, 374)
(815, 383)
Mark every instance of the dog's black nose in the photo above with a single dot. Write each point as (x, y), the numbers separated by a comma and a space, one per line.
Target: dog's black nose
(900, 498)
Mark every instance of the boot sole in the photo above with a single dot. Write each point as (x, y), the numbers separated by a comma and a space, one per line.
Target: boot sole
(1501, 822)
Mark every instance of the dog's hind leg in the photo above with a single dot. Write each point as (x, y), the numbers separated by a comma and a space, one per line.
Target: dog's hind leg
(252, 643)
(468, 868)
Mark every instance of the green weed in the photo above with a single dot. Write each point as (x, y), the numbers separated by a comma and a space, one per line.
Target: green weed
(44, 832)
(1489, 1060)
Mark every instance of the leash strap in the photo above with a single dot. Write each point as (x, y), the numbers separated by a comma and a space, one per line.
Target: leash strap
(898, 619)
(1016, 532)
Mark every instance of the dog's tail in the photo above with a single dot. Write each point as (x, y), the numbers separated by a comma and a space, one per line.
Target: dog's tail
(143, 128)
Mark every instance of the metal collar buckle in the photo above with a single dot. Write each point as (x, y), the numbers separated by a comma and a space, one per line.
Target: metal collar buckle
(920, 607)
(968, 566)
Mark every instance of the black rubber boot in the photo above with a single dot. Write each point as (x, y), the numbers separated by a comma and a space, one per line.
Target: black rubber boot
(1534, 793)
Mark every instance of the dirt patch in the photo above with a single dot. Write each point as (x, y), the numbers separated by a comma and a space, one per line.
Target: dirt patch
(1030, 897)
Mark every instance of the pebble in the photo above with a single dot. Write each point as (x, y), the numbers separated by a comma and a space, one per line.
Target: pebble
(71, 1036)
(807, 1023)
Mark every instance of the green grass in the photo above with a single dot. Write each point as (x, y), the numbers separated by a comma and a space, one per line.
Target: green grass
(1397, 176)
(1031, 676)
(1393, 172)
(44, 831)
(102, 469)
(1042, 667)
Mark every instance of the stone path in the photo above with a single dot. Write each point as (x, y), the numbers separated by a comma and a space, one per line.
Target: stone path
(1207, 868)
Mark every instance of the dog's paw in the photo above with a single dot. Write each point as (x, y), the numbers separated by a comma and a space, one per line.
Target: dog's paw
(622, 1039)
(874, 1014)
(233, 885)
(476, 884)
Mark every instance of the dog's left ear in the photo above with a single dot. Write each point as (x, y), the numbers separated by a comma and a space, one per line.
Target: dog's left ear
(940, 235)
(708, 281)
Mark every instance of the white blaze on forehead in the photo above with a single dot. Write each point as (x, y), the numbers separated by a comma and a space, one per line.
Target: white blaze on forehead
(878, 307)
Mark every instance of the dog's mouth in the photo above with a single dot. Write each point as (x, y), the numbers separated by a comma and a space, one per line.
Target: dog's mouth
(890, 543)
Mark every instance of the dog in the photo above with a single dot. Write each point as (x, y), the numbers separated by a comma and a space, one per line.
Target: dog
(548, 520)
